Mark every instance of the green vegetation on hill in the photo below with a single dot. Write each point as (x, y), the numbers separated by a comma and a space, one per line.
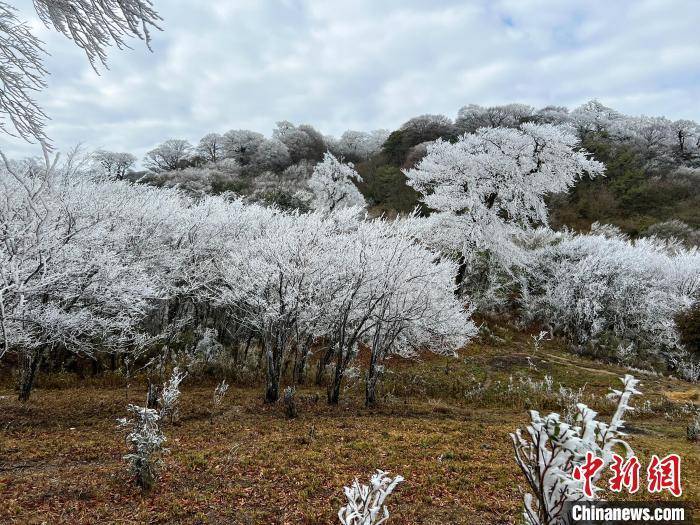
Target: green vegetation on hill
(635, 194)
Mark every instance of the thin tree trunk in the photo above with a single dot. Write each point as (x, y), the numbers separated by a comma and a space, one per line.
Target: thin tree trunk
(334, 387)
(461, 273)
(272, 380)
(29, 368)
(372, 380)
(300, 370)
(322, 364)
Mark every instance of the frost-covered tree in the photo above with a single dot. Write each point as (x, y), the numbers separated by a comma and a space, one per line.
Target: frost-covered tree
(242, 145)
(491, 184)
(592, 288)
(271, 155)
(171, 155)
(146, 441)
(594, 117)
(358, 146)
(303, 142)
(651, 136)
(552, 115)
(333, 185)
(91, 25)
(211, 147)
(417, 309)
(269, 283)
(472, 117)
(365, 505)
(79, 270)
(686, 138)
(550, 450)
(113, 164)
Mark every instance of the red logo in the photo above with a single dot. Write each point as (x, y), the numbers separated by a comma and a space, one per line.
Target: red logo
(587, 471)
(665, 474)
(625, 474)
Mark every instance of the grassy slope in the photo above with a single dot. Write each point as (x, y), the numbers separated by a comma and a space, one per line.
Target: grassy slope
(443, 424)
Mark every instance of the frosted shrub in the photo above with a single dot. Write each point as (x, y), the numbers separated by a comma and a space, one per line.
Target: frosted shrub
(366, 502)
(603, 288)
(693, 429)
(686, 367)
(290, 403)
(551, 449)
(537, 340)
(146, 441)
(170, 397)
(219, 394)
(208, 348)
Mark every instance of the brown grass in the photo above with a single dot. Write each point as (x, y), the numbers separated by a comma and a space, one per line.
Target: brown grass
(61, 455)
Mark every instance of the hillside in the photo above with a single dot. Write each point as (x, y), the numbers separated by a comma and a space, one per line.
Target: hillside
(644, 185)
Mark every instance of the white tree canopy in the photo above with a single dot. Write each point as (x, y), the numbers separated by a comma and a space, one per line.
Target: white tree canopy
(332, 185)
(492, 183)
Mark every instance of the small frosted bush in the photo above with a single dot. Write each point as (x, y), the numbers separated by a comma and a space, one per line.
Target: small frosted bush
(170, 397)
(290, 403)
(366, 502)
(146, 441)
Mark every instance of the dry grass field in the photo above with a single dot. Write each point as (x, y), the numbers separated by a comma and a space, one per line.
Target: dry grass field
(443, 424)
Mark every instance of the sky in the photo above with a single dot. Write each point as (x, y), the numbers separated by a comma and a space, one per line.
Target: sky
(366, 64)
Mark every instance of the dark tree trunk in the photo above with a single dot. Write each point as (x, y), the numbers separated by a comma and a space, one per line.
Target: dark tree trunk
(372, 380)
(334, 387)
(247, 347)
(299, 371)
(272, 380)
(461, 273)
(322, 364)
(29, 367)
(153, 395)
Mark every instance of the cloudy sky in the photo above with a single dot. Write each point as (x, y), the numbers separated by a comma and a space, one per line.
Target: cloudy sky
(367, 64)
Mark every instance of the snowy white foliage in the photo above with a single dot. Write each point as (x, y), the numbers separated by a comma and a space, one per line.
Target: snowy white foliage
(168, 156)
(220, 392)
(92, 262)
(472, 117)
(303, 142)
(210, 147)
(358, 145)
(332, 184)
(365, 504)
(69, 274)
(114, 165)
(550, 449)
(491, 184)
(336, 277)
(91, 25)
(170, 396)
(146, 441)
(591, 286)
(242, 145)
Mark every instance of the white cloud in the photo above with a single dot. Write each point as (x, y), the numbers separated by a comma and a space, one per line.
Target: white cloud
(363, 64)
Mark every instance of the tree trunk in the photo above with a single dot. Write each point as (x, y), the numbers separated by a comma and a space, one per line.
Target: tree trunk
(153, 395)
(372, 380)
(334, 387)
(272, 379)
(322, 364)
(29, 366)
(461, 273)
(299, 371)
